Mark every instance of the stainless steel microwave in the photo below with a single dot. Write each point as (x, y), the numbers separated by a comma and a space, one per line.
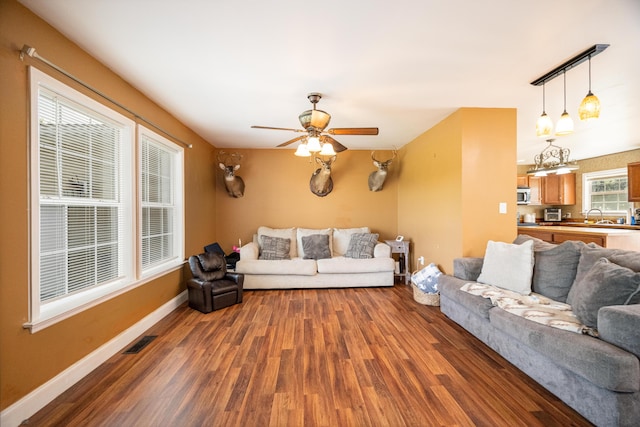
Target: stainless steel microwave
(524, 195)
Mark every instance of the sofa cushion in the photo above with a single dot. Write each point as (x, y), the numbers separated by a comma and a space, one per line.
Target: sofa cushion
(293, 267)
(555, 269)
(285, 233)
(342, 237)
(601, 363)
(508, 266)
(620, 325)
(605, 284)
(449, 286)
(361, 245)
(274, 248)
(590, 255)
(316, 246)
(302, 232)
(351, 265)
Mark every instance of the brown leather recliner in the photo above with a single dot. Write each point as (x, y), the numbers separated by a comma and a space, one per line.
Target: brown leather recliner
(212, 287)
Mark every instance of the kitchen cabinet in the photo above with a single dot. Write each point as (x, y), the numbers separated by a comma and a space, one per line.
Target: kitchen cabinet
(607, 238)
(633, 177)
(559, 189)
(535, 184)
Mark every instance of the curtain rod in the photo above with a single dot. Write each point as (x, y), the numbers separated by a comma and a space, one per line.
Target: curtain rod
(31, 52)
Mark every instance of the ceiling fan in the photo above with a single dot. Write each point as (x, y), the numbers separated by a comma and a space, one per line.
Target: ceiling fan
(314, 122)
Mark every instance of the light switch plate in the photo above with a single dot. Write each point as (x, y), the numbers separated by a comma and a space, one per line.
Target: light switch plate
(503, 208)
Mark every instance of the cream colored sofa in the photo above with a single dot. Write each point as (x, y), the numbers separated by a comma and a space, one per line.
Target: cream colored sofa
(297, 272)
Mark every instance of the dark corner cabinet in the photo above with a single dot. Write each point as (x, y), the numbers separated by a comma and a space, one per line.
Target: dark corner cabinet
(633, 176)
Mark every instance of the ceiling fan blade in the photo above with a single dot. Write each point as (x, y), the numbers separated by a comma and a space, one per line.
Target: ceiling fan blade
(269, 127)
(353, 131)
(291, 141)
(337, 147)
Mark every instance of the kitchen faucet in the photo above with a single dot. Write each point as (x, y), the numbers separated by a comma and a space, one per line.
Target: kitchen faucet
(586, 217)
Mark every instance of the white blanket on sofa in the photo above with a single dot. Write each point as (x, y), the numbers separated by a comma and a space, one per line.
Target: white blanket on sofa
(534, 307)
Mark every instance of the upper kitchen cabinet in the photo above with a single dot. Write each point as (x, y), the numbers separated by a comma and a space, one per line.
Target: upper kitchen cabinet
(535, 184)
(633, 176)
(559, 189)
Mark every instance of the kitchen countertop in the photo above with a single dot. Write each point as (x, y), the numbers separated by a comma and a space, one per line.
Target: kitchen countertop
(605, 230)
(582, 225)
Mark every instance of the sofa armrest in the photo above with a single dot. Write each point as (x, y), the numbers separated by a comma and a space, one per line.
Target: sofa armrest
(620, 326)
(382, 250)
(467, 268)
(249, 251)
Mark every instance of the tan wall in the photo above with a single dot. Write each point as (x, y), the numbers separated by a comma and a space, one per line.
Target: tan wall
(29, 360)
(452, 179)
(277, 195)
(611, 161)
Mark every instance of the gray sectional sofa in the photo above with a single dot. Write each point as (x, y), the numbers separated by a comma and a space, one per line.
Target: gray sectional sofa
(597, 372)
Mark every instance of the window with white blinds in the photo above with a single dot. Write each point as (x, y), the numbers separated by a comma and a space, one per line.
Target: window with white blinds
(86, 224)
(161, 200)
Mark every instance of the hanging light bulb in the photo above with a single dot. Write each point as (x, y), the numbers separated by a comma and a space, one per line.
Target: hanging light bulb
(590, 105)
(565, 124)
(327, 150)
(544, 126)
(313, 144)
(302, 150)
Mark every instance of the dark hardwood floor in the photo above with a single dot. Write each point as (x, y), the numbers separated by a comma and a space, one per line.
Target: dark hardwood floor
(328, 357)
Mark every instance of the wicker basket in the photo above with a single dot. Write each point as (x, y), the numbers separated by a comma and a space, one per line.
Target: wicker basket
(425, 298)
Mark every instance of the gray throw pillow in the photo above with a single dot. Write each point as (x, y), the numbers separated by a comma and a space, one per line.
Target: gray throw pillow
(361, 245)
(590, 255)
(605, 284)
(316, 246)
(273, 248)
(555, 269)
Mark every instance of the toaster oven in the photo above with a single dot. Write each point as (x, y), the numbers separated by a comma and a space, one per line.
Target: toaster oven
(553, 214)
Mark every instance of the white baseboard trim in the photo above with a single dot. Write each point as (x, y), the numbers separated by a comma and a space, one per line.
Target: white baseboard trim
(15, 414)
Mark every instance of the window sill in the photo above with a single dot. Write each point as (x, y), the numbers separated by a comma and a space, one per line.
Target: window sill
(60, 312)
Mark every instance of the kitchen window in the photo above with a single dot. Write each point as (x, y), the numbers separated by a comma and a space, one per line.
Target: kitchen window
(84, 219)
(606, 190)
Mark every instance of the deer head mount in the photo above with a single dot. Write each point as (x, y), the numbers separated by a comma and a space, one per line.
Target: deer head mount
(230, 163)
(377, 178)
(321, 183)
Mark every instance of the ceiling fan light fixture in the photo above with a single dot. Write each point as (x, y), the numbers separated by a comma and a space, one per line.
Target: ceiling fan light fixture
(313, 144)
(327, 150)
(302, 150)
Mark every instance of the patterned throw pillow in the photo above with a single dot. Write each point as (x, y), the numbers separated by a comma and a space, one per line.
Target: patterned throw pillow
(316, 246)
(361, 245)
(273, 248)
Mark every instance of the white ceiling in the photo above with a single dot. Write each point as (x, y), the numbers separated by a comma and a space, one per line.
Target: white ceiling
(222, 66)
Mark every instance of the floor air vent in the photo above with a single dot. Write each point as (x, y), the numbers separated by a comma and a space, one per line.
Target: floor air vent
(137, 347)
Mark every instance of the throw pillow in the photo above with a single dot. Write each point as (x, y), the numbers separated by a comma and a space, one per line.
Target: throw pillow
(591, 255)
(273, 248)
(342, 237)
(361, 245)
(555, 269)
(301, 232)
(605, 284)
(316, 246)
(283, 233)
(508, 266)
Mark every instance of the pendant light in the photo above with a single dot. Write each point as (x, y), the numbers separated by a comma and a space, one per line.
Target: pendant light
(590, 105)
(565, 124)
(544, 126)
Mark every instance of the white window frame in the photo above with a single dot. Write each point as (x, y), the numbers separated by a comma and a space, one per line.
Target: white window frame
(177, 202)
(43, 314)
(587, 177)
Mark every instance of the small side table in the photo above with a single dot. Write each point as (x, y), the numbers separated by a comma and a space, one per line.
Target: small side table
(404, 258)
